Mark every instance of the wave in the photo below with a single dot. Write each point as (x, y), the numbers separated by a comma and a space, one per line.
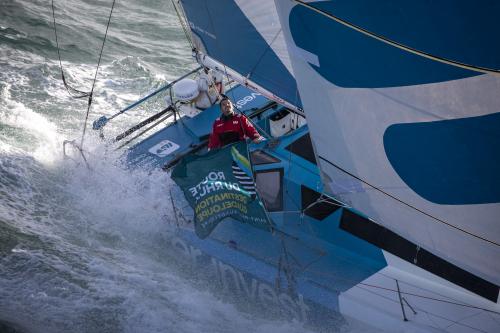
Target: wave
(85, 250)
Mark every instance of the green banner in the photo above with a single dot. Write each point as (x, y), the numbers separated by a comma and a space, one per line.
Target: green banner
(220, 184)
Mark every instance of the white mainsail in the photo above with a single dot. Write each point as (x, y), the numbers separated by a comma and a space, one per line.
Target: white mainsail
(409, 139)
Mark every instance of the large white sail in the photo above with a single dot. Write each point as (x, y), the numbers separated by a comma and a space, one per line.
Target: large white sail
(403, 105)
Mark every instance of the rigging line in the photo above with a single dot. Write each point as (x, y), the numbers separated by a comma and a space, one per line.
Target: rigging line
(431, 298)
(75, 93)
(398, 45)
(263, 54)
(411, 206)
(427, 290)
(188, 30)
(432, 321)
(459, 321)
(324, 199)
(494, 319)
(426, 312)
(95, 76)
(183, 21)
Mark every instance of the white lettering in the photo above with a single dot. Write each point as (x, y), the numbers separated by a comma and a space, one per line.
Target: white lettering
(267, 294)
(250, 290)
(164, 148)
(303, 307)
(226, 270)
(234, 281)
(247, 99)
(288, 305)
(210, 183)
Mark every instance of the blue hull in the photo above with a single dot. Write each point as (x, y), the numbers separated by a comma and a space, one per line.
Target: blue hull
(324, 262)
(299, 270)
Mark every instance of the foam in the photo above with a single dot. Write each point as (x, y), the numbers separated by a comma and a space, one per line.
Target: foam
(89, 251)
(16, 114)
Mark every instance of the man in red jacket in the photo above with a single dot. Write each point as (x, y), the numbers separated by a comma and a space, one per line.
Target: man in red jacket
(231, 127)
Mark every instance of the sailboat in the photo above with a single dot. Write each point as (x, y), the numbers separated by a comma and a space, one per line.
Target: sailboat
(383, 187)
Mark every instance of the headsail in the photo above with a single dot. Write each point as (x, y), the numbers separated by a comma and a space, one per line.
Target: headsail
(245, 37)
(409, 138)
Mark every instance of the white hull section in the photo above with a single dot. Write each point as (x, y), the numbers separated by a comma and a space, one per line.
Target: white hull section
(440, 306)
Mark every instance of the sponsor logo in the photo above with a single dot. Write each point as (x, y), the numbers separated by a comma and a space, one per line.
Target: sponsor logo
(214, 181)
(201, 30)
(242, 284)
(247, 99)
(164, 148)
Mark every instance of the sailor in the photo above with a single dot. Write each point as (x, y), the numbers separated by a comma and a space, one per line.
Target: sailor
(231, 127)
(210, 87)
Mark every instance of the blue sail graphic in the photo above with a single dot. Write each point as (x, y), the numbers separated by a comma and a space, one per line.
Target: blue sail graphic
(449, 162)
(348, 58)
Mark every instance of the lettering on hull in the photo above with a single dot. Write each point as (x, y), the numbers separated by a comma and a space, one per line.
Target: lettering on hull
(242, 284)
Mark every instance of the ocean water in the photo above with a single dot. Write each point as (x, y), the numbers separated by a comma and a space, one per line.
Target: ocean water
(84, 251)
(80, 250)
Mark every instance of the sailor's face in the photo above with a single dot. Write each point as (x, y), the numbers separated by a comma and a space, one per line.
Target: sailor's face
(226, 107)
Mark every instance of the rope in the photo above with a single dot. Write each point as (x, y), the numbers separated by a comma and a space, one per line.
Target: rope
(430, 298)
(95, 76)
(411, 206)
(182, 20)
(75, 93)
(452, 321)
(400, 46)
(263, 54)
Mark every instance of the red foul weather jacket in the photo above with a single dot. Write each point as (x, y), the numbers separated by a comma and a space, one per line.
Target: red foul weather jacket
(231, 129)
